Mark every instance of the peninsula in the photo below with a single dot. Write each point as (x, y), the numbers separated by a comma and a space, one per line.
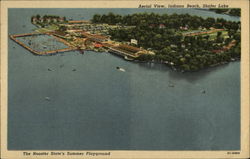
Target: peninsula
(181, 41)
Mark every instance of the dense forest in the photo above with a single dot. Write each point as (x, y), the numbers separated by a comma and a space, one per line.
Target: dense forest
(229, 11)
(164, 35)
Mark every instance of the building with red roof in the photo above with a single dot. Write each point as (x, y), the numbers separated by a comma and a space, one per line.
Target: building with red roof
(97, 45)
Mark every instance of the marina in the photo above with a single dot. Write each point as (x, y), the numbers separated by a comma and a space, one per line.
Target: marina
(36, 52)
(116, 49)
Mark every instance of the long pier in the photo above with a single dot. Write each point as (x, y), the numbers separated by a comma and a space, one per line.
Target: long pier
(26, 34)
(59, 39)
(13, 37)
(57, 51)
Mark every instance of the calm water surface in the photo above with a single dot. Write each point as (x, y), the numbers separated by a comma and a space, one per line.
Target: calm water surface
(98, 107)
(42, 43)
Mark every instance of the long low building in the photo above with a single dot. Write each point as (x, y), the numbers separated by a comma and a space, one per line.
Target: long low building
(126, 50)
(95, 37)
(121, 52)
(129, 48)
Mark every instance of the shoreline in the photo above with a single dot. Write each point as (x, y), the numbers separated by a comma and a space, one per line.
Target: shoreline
(170, 66)
(184, 71)
(72, 45)
(61, 51)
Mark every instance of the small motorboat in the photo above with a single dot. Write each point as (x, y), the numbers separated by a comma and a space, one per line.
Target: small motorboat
(47, 98)
(170, 85)
(120, 69)
(203, 91)
(81, 51)
(74, 69)
(128, 59)
(49, 69)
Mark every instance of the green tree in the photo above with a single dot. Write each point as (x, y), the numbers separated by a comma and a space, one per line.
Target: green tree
(38, 16)
(62, 28)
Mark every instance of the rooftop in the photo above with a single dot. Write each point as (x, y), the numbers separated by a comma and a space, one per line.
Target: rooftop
(77, 21)
(129, 48)
(94, 36)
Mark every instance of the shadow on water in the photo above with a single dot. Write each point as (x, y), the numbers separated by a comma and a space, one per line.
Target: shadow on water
(154, 66)
(194, 76)
(190, 133)
(188, 76)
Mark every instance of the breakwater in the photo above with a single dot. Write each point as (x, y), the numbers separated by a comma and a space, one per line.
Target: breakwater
(49, 52)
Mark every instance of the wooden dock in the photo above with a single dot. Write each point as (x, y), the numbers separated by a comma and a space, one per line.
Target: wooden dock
(13, 37)
(58, 38)
(26, 34)
(57, 51)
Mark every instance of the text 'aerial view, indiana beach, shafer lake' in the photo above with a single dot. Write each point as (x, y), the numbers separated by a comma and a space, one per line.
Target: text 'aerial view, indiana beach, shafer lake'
(125, 79)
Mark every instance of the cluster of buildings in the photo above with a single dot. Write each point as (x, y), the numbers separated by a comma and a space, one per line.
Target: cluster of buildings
(86, 26)
(102, 29)
(79, 32)
(160, 26)
(129, 50)
(121, 49)
(184, 27)
(47, 19)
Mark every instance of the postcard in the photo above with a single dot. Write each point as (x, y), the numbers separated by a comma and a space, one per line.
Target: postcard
(124, 79)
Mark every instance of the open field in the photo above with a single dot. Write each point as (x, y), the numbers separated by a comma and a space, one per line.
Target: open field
(212, 36)
(49, 28)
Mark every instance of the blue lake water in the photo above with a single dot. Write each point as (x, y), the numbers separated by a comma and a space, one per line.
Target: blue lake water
(98, 107)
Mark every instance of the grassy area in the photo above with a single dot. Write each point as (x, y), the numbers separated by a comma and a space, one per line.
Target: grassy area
(212, 36)
(47, 29)
(53, 27)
